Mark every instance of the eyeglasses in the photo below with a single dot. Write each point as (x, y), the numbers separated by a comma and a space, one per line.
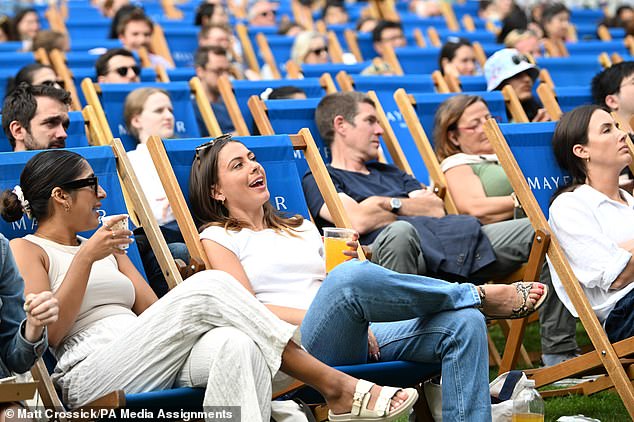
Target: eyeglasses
(82, 183)
(221, 139)
(123, 70)
(477, 125)
(319, 51)
(519, 58)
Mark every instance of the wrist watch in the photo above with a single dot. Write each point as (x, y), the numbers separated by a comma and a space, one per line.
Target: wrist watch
(395, 203)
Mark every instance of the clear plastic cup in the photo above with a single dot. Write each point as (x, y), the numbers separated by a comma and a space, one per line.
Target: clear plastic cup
(335, 240)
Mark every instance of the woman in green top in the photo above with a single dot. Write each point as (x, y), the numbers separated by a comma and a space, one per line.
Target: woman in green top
(479, 187)
(475, 179)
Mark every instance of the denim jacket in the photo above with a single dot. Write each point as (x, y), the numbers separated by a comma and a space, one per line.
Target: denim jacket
(16, 353)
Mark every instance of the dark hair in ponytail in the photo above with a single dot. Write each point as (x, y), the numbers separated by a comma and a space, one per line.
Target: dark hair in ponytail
(40, 176)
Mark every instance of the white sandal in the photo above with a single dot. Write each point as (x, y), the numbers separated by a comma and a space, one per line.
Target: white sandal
(381, 412)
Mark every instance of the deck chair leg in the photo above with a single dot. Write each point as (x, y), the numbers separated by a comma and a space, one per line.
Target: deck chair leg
(494, 356)
(514, 347)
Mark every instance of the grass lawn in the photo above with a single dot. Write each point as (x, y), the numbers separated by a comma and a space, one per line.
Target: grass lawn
(605, 406)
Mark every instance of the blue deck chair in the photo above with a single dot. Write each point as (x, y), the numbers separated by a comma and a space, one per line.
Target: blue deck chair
(473, 83)
(103, 162)
(94, 29)
(276, 154)
(80, 73)
(10, 46)
(316, 70)
(236, 94)
(366, 45)
(481, 36)
(410, 21)
(181, 74)
(570, 97)
(586, 32)
(112, 99)
(81, 59)
(568, 71)
(580, 16)
(596, 47)
(182, 42)
(92, 43)
(417, 60)
(76, 133)
(525, 153)
(267, 32)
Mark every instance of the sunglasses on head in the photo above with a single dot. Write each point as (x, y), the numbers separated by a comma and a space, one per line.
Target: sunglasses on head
(207, 145)
(92, 181)
(123, 70)
(517, 59)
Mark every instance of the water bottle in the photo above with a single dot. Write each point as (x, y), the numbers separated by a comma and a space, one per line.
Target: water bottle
(528, 406)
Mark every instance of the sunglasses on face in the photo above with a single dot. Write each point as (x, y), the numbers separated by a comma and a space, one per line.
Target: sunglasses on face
(268, 12)
(319, 51)
(82, 183)
(123, 70)
(201, 148)
(56, 84)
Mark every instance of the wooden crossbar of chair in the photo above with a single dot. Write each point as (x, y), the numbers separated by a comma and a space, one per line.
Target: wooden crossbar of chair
(334, 47)
(433, 37)
(513, 103)
(144, 57)
(467, 23)
(247, 47)
(480, 55)
(544, 77)
(94, 131)
(17, 391)
(389, 56)
(171, 11)
(605, 354)
(58, 63)
(41, 56)
(529, 272)
(267, 55)
(604, 59)
(547, 96)
(161, 74)
(604, 33)
(419, 38)
(439, 82)
(616, 58)
(453, 83)
(159, 44)
(353, 44)
(450, 17)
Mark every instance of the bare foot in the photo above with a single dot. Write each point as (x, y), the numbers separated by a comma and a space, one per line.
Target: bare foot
(343, 403)
(506, 300)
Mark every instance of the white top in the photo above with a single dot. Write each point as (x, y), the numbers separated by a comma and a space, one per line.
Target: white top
(151, 184)
(462, 159)
(589, 227)
(108, 292)
(284, 270)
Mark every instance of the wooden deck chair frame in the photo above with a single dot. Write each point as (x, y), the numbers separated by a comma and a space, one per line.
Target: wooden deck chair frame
(616, 58)
(529, 272)
(389, 56)
(41, 56)
(467, 23)
(513, 104)
(159, 45)
(247, 47)
(58, 62)
(479, 53)
(17, 391)
(353, 44)
(604, 60)
(606, 354)
(547, 96)
(434, 38)
(228, 97)
(171, 11)
(267, 55)
(450, 17)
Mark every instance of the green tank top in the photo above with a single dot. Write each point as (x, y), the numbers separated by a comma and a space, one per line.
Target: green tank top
(493, 178)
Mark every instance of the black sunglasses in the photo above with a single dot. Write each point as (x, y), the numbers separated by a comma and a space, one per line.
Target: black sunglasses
(207, 145)
(123, 70)
(82, 183)
(517, 59)
(56, 84)
(319, 50)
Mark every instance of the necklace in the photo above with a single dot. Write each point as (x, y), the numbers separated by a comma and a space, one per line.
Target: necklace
(43, 236)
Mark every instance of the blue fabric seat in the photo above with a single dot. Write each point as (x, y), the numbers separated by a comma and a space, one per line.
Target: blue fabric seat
(570, 97)
(316, 70)
(473, 83)
(418, 60)
(182, 42)
(573, 70)
(596, 47)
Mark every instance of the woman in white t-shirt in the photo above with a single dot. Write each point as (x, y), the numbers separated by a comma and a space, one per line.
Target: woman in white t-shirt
(114, 334)
(280, 261)
(593, 218)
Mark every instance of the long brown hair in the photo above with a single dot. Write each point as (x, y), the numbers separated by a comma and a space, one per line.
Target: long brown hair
(446, 121)
(208, 211)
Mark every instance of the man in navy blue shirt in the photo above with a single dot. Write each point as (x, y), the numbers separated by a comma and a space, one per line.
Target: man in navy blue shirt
(386, 206)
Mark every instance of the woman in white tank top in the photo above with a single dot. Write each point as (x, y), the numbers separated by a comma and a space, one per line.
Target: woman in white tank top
(113, 333)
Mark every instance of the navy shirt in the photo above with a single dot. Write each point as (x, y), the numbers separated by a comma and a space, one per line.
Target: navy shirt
(383, 180)
(222, 116)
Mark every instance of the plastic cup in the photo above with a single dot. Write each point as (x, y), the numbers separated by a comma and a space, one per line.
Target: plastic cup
(119, 225)
(335, 240)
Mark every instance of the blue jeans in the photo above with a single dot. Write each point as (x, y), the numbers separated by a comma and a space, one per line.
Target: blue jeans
(414, 318)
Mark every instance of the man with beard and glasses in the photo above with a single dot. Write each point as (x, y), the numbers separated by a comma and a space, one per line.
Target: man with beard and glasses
(36, 117)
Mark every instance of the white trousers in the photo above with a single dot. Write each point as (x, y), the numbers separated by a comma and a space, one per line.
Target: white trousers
(208, 331)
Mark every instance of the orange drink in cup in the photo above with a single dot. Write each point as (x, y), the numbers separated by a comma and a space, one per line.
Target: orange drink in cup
(335, 240)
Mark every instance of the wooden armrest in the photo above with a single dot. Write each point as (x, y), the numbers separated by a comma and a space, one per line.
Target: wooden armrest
(185, 270)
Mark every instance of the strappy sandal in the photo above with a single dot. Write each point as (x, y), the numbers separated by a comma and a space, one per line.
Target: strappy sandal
(525, 308)
(381, 411)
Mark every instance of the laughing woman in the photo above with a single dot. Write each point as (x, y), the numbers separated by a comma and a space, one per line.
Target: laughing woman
(592, 217)
(280, 261)
(113, 333)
